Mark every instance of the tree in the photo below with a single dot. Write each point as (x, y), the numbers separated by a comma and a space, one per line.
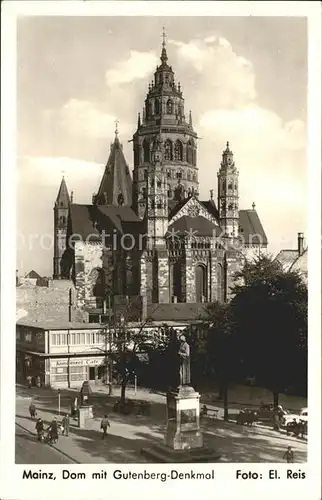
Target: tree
(129, 340)
(219, 345)
(269, 308)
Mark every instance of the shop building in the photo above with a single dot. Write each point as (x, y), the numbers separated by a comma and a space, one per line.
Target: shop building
(61, 355)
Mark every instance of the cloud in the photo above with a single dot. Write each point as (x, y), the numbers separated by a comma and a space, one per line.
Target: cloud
(136, 67)
(227, 78)
(45, 172)
(254, 128)
(82, 118)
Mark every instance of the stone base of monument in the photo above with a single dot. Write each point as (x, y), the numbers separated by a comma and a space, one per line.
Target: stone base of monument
(85, 413)
(183, 440)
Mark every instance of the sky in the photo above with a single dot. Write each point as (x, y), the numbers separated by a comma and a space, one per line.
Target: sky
(243, 78)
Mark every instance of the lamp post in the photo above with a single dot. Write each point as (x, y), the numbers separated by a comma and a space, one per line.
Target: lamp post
(59, 402)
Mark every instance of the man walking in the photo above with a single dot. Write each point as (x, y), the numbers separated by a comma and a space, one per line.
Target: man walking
(289, 455)
(104, 424)
(65, 424)
(32, 411)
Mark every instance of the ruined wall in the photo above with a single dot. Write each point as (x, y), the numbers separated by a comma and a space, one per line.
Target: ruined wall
(88, 258)
(163, 276)
(233, 264)
(40, 303)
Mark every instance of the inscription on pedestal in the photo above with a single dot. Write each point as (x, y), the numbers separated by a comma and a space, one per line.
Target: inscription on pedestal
(188, 416)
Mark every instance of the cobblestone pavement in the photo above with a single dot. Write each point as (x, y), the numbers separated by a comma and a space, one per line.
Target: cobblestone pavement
(129, 434)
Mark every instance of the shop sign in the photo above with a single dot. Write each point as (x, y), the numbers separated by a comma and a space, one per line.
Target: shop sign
(76, 362)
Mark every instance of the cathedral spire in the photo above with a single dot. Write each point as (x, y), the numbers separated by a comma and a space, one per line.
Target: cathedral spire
(63, 196)
(164, 55)
(116, 184)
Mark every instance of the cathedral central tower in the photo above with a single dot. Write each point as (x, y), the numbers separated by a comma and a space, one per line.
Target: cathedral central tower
(164, 116)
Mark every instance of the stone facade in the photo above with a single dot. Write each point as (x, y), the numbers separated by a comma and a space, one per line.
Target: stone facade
(184, 249)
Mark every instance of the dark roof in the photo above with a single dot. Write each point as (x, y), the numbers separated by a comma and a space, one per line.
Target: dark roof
(287, 258)
(196, 226)
(250, 228)
(58, 324)
(63, 196)
(88, 220)
(33, 275)
(210, 206)
(116, 179)
(175, 205)
(181, 311)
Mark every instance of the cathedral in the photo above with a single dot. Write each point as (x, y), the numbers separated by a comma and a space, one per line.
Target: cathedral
(148, 238)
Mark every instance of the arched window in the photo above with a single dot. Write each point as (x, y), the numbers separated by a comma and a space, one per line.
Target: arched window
(177, 280)
(62, 219)
(201, 283)
(194, 157)
(220, 283)
(169, 107)
(146, 150)
(189, 153)
(168, 150)
(157, 106)
(97, 279)
(178, 150)
(230, 185)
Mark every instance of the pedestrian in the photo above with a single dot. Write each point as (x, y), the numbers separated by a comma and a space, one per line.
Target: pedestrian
(53, 431)
(276, 421)
(40, 429)
(104, 424)
(32, 410)
(65, 424)
(289, 455)
(29, 382)
(38, 382)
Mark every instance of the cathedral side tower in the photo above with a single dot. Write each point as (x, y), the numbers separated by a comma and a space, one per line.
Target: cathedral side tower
(157, 201)
(228, 198)
(61, 210)
(155, 259)
(164, 114)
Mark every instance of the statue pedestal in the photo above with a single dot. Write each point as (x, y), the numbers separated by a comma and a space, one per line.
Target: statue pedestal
(183, 438)
(84, 413)
(183, 420)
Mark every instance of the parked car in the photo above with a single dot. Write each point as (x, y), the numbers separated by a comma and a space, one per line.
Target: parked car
(298, 428)
(267, 412)
(295, 417)
(247, 417)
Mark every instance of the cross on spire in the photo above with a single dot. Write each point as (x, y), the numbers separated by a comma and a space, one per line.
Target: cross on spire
(63, 174)
(116, 128)
(164, 37)
(164, 56)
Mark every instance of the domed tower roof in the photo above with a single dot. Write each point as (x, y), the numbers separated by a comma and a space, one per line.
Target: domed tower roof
(164, 114)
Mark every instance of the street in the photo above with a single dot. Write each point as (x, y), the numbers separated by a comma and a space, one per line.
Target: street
(129, 434)
(29, 451)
